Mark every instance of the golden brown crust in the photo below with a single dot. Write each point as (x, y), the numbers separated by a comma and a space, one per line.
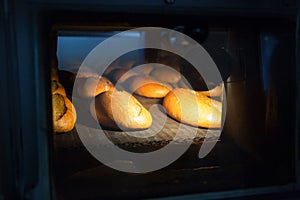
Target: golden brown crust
(57, 87)
(67, 121)
(193, 108)
(148, 87)
(215, 92)
(92, 86)
(59, 106)
(63, 111)
(119, 109)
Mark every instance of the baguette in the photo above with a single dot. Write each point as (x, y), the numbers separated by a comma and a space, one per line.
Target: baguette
(120, 110)
(148, 87)
(165, 74)
(91, 87)
(63, 112)
(193, 108)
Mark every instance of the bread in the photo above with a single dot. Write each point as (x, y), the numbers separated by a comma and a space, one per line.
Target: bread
(91, 87)
(150, 80)
(144, 69)
(63, 112)
(148, 87)
(183, 84)
(87, 75)
(121, 75)
(165, 74)
(120, 110)
(68, 78)
(214, 92)
(110, 68)
(193, 108)
(56, 87)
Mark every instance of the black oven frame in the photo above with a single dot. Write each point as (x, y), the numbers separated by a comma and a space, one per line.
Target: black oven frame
(25, 134)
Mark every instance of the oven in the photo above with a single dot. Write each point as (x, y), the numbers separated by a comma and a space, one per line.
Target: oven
(240, 56)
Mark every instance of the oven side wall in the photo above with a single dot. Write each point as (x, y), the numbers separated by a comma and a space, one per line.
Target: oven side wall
(10, 132)
(30, 103)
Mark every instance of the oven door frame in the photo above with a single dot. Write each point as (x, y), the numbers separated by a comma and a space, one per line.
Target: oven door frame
(26, 153)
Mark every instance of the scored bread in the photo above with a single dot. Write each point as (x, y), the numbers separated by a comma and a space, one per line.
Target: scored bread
(56, 87)
(120, 110)
(91, 87)
(193, 108)
(63, 113)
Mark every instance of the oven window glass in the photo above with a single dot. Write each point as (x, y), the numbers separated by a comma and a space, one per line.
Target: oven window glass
(245, 154)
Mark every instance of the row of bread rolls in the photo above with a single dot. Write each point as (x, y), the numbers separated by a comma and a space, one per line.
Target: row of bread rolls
(153, 80)
(113, 109)
(63, 111)
(88, 84)
(116, 109)
(148, 80)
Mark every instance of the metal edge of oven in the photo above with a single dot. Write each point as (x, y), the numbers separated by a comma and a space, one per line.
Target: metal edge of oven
(297, 140)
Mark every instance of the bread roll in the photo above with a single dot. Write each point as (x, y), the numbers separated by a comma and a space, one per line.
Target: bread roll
(70, 76)
(193, 108)
(87, 75)
(91, 87)
(121, 75)
(63, 112)
(144, 69)
(215, 92)
(166, 74)
(148, 87)
(110, 68)
(182, 84)
(56, 87)
(120, 110)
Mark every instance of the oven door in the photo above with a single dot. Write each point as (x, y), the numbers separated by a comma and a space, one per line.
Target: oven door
(33, 160)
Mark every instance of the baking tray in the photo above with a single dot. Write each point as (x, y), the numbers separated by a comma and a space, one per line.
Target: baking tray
(161, 131)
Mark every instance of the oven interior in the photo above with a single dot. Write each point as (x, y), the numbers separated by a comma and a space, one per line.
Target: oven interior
(256, 58)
